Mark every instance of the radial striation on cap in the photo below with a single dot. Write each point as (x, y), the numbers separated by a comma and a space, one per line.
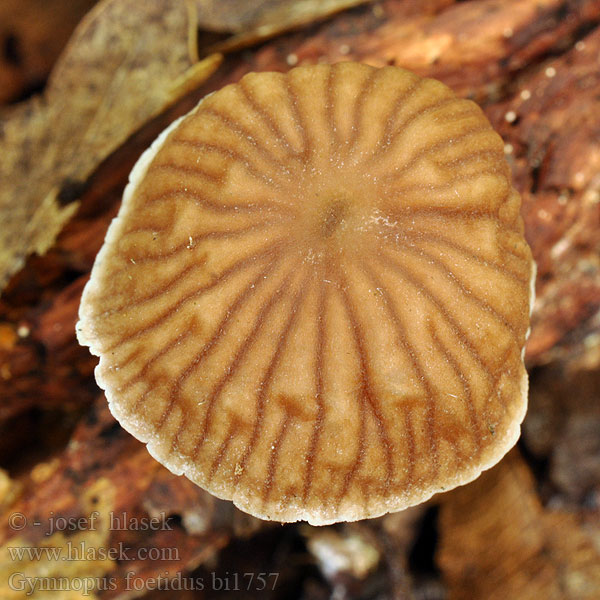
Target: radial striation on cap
(315, 297)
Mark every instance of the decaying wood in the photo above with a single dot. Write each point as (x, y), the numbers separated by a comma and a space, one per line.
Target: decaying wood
(109, 483)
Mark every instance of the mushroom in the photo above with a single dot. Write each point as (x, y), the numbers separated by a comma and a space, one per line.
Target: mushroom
(315, 297)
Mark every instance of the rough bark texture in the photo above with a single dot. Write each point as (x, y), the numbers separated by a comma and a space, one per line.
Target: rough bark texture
(533, 66)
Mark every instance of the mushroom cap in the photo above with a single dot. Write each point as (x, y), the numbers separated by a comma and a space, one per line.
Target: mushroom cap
(315, 297)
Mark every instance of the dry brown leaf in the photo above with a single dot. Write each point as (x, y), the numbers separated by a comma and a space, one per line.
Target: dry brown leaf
(126, 62)
(236, 16)
(498, 542)
(257, 20)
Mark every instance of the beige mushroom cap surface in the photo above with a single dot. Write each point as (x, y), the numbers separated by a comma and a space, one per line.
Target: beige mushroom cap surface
(315, 297)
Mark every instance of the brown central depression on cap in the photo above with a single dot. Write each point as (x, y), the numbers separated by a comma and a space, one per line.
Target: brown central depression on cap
(315, 297)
